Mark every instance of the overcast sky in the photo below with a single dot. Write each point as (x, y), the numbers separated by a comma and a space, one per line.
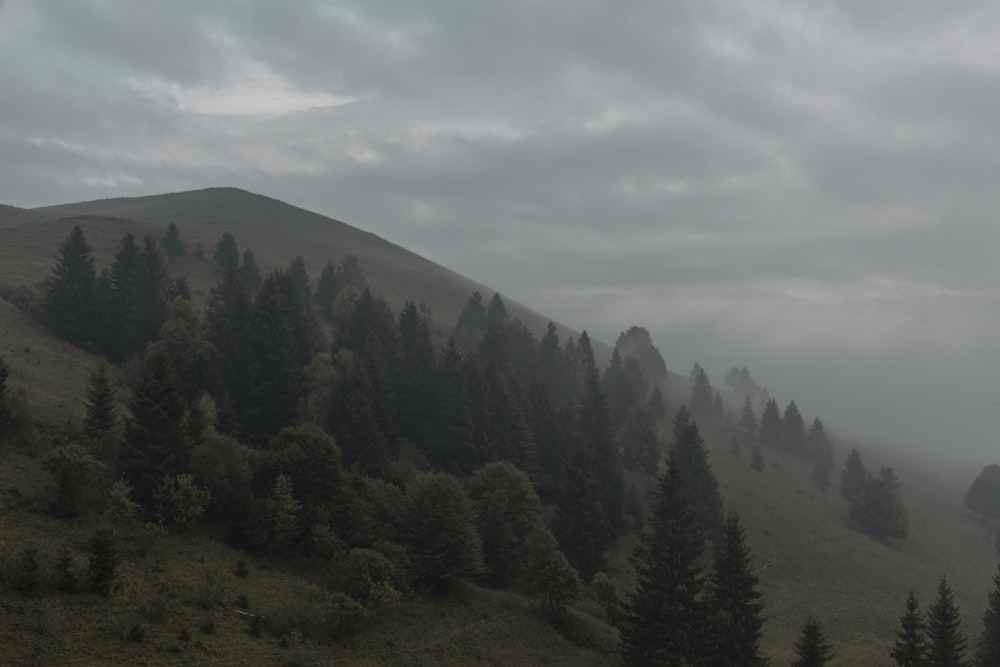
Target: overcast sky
(803, 188)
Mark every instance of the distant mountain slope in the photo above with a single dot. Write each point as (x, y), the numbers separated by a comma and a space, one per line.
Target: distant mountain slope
(11, 215)
(276, 232)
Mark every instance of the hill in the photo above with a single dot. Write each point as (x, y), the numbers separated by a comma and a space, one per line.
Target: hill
(810, 559)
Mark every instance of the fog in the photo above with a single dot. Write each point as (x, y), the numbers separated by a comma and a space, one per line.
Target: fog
(803, 189)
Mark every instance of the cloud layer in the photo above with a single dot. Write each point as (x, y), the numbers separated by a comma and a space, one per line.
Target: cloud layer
(804, 188)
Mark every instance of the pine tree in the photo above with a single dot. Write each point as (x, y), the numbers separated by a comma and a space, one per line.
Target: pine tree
(300, 278)
(251, 272)
(664, 618)
(172, 243)
(70, 298)
(617, 388)
(226, 253)
(702, 394)
(326, 289)
(818, 445)
(735, 601)
(657, 403)
(589, 364)
(811, 649)
(103, 562)
(770, 431)
(945, 643)
(854, 478)
(909, 650)
(698, 484)
(879, 509)
(756, 459)
(988, 648)
(496, 311)
(748, 420)
(595, 424)
(793, 432)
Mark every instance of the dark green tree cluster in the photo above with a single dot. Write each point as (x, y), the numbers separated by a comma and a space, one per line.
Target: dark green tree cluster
(741, 382)
(983, 496)
(874, 503)
(702, 394)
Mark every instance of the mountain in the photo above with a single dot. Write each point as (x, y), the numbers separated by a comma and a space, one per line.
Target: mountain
(277, 232)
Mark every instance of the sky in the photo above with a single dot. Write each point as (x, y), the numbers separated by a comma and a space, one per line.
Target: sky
(802, 188)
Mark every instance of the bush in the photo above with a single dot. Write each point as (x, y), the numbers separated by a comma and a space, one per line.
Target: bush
(181, 501)
(103, 562)
(65, 572)
(27, 573)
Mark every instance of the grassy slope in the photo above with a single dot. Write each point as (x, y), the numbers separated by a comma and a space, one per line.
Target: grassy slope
(809, 558)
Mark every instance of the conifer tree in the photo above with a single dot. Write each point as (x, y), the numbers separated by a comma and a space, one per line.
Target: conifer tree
(735, 601)
(748, 420)
(945, 643)
(909, 649)
(172, 243)
(879, 509)
(595, 424)
(756, 459)
(793, 431)
(103, 562)
(702, 395)
(811, 648)
(589, 364)
(770, 431)
(818, 444)
(698, 484)
(251, 272)
(988, 647)
(718, 407)
(854, 478)
(228, 320)
(617, 388)
(227, 253)
(326, 289)
(300, 278)
(657, 403)
(496, 311)
(6, 414)
(70, 297)
(665, 619)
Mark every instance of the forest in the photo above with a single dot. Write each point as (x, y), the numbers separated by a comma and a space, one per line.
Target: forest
(390, 459)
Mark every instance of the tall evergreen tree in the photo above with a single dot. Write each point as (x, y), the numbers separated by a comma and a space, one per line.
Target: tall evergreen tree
(770, 430)
(6, 414)
(854, 478)
(811, 648)
(698, 484)
(228, 320)
(945, 643)
(818, 445)
(909, 649)
(618, 389)
(657, 403)
(748, 420)
(879, 509)
(100, 419)
(172, 243)
(227, 253)
(589, 363)
(251, 272)
(735, 601)
(496, 311)
(69, 299)
(988, 647)
(702, 395)
(155, 439)
(326, 289)
(665, 619)
(793, 432)
(415, 372)
(300, 278)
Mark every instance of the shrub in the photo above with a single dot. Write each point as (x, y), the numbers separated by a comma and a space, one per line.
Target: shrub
(27, 573)
(102, 562)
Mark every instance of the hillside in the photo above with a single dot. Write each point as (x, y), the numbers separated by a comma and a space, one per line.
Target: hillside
(809, 557)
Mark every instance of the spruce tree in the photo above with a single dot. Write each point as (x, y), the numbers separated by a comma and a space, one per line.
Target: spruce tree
(496, 311)
(818, 445)
(326, 289)
(770, 431)
(103, 562)
(879, 509)
(748, 420)
(854, 477)
(756, 459)
(70, 298)
(226, 253)
(595, 424)
(811, 648)
(6, 413)
(988, 648)
(657, 403)
(793, 431)
(702, 395)
(172, 243)
(909, 650)
(698, 484)
(300, 278)
(735, 601)
(617, 388)
(945, 643)
(665, 619)
(251, 272)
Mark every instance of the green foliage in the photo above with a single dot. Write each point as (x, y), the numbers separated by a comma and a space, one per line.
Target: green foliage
(226, 253)
(74, 470)
(748, 419)
(103, 561)
(818, 445)
(854, 478)
(251, 272)
(101, 419)
(665, 618)
(698, 484)
(181, 501)
(770, 430)
(69, 306)
(636, 342)
(988, 647)
(983, 496)
(371, 578)
(741, 382)
(702, 394)
(735, 601)
(945, 642)
(879, 509)
(326, 289)
(439, 528)
(793, 432)
(811, 648)
(121, 510)
(641, 443)
(282, 515)
(172, 243)
(300, 278)
(909, 649)
(496, 311)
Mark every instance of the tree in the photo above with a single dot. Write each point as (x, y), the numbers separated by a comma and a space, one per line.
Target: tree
(227, 253)
(770, 432)
(102, 562)
(698, 484)
(172, 243)
(735, 600)
(748, 420)
(983, 497)
(879, 509)
(820, 476)
(496, 311)
(251, 272)
(811, 649)
(665, 618)
(73, 469)
(741, 382)
(793, 432)
(988, 648)
(702, 395)
(6, 412)
(756, 459)
(641, 444)
(909, 648)
(607, 595)
(945, 643)
(657, 403)
(818, 445)
(854, 477)
(549, 575)
(300, 278)
(636, 342)
(439, 528)
(326, 289)
(69, 300)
